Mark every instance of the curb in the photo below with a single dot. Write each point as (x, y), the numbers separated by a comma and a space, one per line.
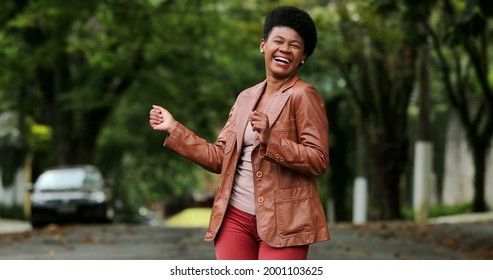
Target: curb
(14, 226)
(463, 218)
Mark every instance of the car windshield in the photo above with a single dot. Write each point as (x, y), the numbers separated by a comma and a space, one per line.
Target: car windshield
(61, 179)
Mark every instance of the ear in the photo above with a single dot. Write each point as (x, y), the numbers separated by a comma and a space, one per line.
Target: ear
(262, 45)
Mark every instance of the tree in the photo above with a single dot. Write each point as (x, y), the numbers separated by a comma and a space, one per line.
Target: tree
(376, 58)
(77, 61)
(460, 37)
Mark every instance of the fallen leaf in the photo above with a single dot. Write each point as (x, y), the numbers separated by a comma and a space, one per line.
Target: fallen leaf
(88, 239)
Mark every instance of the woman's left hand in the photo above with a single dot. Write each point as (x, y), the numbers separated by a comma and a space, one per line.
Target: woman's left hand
(260, 124)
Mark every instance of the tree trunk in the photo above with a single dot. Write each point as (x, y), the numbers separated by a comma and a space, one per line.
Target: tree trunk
(423, 152)
(338, 155)
(424, 127)
(479, 159)
(392, 158)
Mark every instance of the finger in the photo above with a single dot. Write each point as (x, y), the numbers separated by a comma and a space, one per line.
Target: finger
(154, 112)
(158, 108)
(255, 128)
(155, 118)
(255, 115)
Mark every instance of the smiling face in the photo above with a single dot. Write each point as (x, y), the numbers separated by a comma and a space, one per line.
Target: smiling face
(283, 51)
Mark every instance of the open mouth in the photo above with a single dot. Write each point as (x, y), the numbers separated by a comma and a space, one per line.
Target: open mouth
(282, 60)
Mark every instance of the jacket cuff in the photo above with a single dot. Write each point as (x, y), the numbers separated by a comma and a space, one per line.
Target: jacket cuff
(271, 151)
(173, 139)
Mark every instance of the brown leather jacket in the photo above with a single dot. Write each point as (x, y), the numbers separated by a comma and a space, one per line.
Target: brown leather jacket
(288, 208)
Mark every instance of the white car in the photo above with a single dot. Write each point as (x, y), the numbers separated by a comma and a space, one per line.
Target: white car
(74, 193)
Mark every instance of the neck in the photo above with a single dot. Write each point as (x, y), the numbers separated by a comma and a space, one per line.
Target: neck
(274, 84)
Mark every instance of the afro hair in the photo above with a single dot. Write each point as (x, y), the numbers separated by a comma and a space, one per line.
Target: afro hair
(296, 19)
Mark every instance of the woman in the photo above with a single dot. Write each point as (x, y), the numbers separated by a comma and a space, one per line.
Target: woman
(269, 153)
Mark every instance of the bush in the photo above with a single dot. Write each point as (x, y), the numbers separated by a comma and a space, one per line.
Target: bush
(447, 210)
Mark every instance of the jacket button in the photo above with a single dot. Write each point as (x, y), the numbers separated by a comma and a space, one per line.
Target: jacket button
(281, 158)
(259, 174)
(276, 155)
(260, 199)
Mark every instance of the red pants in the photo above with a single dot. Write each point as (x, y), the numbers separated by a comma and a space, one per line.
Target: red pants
(238, 239)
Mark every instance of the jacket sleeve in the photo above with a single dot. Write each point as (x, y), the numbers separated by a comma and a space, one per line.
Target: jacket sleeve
(209, 156)
(309, 152)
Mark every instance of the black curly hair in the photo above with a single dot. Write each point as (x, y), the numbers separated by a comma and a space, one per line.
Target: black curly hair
(296, 19)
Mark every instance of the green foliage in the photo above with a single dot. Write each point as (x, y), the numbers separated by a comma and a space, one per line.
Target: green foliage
(39, 137)
(39, 142)
(12, 212)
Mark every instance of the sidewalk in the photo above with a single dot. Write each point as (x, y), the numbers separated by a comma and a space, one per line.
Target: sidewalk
(14, 226)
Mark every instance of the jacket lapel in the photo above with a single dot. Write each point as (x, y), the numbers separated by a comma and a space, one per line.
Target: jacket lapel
(244, 108)
(280, 100)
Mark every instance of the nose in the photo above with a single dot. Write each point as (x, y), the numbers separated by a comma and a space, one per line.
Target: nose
(285, 48)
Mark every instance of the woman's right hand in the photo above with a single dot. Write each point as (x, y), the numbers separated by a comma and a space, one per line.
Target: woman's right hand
(161, 119)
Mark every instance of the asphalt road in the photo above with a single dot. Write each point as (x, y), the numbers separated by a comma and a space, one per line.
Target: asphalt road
(377, 241)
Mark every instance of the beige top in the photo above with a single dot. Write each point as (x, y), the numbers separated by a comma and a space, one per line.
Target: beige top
(242, 195)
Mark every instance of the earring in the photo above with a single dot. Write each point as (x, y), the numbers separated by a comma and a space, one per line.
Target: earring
(302, 62)
(262, 51)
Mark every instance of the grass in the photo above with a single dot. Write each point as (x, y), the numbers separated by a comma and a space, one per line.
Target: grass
(441, 210)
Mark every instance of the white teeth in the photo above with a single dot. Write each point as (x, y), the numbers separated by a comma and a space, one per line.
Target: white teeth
(282, 59)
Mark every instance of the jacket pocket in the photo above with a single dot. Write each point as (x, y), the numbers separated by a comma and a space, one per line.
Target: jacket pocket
(293, 211)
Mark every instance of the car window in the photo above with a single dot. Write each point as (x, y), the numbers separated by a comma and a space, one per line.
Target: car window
(93, 179)
(60, 179)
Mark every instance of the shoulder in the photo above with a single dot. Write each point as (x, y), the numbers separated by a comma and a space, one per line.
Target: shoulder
(303, 90)
(252, 90)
